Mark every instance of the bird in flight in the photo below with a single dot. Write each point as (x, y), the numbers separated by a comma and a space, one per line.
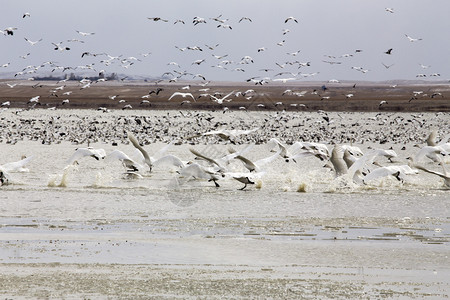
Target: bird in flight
(184, 95)
(228, 26)
(290, 18)
(157, 19)
(389, 51)
(9, 30)
(31, 42)
(85, 33)
(59, 47)
(245, 18)
(198, 20)
(221, 100)
(412, 39)
(198, 61)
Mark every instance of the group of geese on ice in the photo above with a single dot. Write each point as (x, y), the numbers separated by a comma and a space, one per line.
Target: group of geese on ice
(346, 161)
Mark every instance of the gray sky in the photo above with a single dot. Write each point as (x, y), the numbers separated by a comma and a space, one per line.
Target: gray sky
(324, 28)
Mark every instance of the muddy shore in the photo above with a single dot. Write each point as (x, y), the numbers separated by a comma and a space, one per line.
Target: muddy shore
(311, 96)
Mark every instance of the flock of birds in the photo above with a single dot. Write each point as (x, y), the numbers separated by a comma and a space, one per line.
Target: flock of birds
(248, 98)
(344, 160)
(281, 72)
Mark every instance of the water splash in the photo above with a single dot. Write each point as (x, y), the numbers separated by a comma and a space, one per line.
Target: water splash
(53, 180)
(302, 188)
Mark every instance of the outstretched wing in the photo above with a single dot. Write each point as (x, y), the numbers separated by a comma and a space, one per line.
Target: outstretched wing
(169, 159)
(144, 153)
(125, 159)
(208, 159)
(82, 152)
(15, 166)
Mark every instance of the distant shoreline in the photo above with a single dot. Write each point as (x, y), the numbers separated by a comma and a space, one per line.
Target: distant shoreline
(304, 96)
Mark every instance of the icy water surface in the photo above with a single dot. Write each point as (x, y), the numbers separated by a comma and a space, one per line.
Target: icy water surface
(295, 215)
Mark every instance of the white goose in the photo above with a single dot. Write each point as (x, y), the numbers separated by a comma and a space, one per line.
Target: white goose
(31, 42)
(128, 163)
(220, 100)
(399, 172)
(184, 95)
(83, 152)
(147, 159)
(17, 166)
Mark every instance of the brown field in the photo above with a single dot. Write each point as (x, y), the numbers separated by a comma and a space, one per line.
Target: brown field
(367, 96)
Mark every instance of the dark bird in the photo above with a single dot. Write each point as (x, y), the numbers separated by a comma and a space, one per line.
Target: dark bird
(389, 51)
(158, 90)
(10, 30)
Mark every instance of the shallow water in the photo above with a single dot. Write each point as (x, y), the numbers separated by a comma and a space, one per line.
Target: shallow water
(98, 216)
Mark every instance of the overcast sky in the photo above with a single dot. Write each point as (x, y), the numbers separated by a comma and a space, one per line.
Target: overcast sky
(327, 31)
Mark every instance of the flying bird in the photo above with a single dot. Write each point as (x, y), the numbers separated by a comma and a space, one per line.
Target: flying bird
(220, 100)
(389, 51)
(17, 166)
(34, 100)
(198, 61)
(31, 42)
(224, 26)
(291, 18)
(158, 90)
(59, 47)
(294, 53)
(199, 172)
(257, 165)
(127, 162)
(399, 172)
(198, 20)
(82, 152)
(245, 18)
(412, 39)
(85, 33)
(184, 95)
(25, 56)
(146, 158)
(10, 30)
(158, 19)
